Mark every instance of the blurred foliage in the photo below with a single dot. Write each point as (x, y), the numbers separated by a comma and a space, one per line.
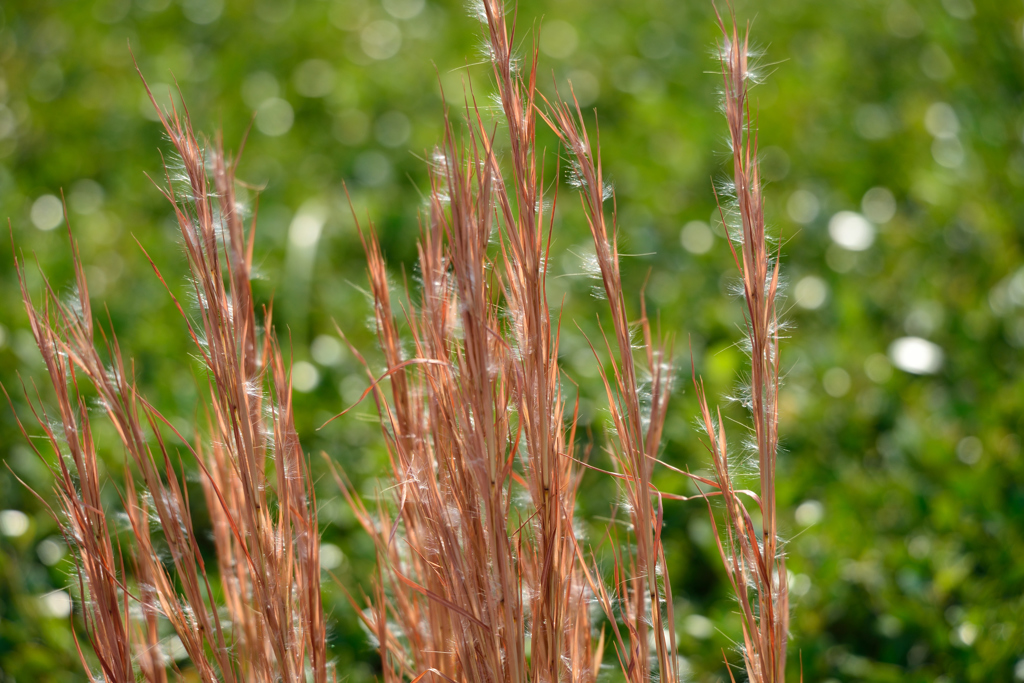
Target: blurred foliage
(902, 484)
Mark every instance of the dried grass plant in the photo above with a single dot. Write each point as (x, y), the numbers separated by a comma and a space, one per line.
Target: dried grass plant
(268, 624)
(481, 577)
(754, 562)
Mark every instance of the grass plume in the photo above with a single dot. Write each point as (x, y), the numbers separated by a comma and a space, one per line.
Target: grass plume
(481, 576)
(754, 562)
(269, 623)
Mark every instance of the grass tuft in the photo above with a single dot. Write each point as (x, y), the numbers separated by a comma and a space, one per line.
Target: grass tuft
(481, 574)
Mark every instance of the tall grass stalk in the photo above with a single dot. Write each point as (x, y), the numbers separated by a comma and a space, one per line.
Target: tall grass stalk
(754, 562)
(481, 574)
(269, 623)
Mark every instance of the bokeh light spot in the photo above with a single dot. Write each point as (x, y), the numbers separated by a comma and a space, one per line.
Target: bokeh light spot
(878, 368)
(275, 117)
(51, 550)
(916, 355)
(305, 376)
(380, 39)
(696, 237)
(810, 292)
(935, 63)
(202, 11)
(836, 382)
(314, 78)
(969, 450)
(86, 196)
(331, 556)
(404, 9)
(558, 39)
(47, 212)
(699, 626)
(851, 231)
(809, 513)
(372, 169)
(56, 604)
(878, 205)
(13, 523)
(258, 87)
(873, 121)
(803, 206)
(948, 152)
(941, 120)
(392, 129)
(327, 349)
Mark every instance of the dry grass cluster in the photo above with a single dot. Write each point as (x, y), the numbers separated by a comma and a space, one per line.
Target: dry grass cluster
(482, 577)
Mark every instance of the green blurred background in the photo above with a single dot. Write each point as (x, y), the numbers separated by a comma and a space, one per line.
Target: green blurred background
(891, 134)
